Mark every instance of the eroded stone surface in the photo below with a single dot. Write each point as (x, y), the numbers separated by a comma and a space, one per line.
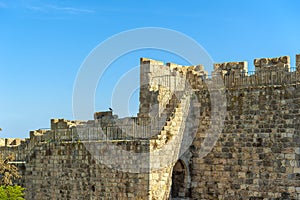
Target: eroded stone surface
(256, 156)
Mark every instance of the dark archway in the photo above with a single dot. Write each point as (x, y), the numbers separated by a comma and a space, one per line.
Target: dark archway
(179, 180)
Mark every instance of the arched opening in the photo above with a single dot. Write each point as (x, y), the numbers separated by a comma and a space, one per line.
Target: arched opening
(179, 181)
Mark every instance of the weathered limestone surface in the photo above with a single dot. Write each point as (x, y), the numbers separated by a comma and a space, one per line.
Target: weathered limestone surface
(235, 135)
(298, 61)
(69, 171)
(257, 154)
(272, 63)
(2, 142)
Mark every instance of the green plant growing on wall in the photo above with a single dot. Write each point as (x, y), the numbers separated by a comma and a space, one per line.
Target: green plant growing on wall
(11, 192)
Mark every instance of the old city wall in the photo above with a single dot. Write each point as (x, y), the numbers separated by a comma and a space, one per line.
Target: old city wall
(257, 153)
(70, 171)
(62, 164)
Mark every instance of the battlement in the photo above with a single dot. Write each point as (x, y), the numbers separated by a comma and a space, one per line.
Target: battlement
(268, 72)
(279, 63)
(64, 124)
(298, 61)
(170, 77)
(173, 65)
(150, 61)
(231, 66)
(105, 114)
(10, 141)
(260, 64)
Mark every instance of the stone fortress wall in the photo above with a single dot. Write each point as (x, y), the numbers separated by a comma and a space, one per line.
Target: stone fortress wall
(175, 149)
(257, 153)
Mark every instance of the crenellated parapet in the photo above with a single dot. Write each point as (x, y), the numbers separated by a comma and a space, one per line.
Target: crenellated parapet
(63, 124)
(280, 64)
(268, 72)
(11, 141)
(37, 133)
(104, 114)
(298, 62)
(235, 68)
(231, 72)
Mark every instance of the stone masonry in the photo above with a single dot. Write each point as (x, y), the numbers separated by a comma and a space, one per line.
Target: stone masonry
(232, 135)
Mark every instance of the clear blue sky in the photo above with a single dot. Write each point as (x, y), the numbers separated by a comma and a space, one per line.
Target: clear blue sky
(43, 44)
